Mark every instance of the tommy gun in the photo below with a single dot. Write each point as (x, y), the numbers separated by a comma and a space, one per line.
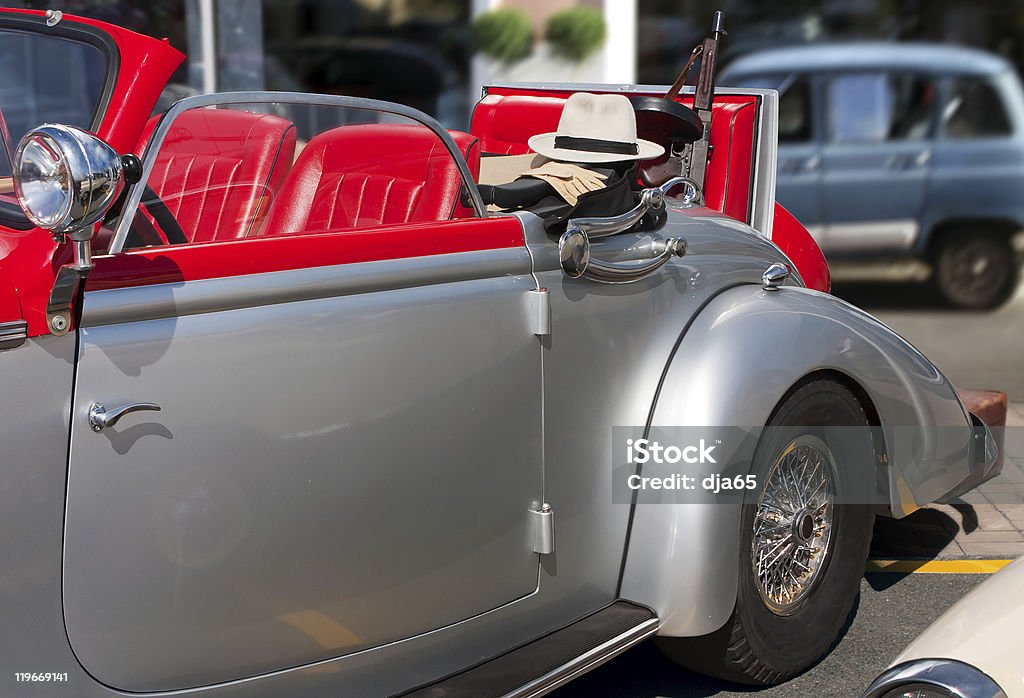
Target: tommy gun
(684, 132)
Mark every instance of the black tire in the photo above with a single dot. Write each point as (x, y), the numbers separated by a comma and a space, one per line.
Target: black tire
(762, 646)
(974, 271)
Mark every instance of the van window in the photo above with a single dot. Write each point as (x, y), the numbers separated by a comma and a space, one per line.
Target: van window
(795, 111)
(858, 108)
(876, 107)
(974, 110)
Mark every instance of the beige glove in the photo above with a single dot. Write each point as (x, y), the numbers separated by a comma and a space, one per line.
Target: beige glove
(570, 181)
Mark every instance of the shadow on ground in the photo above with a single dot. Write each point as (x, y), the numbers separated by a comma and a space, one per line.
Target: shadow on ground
(923, 535)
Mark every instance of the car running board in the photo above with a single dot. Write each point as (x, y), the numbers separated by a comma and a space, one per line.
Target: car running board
(545, 664)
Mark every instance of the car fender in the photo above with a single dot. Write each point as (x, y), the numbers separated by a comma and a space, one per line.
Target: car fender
(732, 367)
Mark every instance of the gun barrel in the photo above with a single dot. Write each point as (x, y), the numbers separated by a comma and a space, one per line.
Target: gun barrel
(718, 24)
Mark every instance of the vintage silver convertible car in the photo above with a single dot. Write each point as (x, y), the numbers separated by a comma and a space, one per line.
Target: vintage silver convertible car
(289, 411)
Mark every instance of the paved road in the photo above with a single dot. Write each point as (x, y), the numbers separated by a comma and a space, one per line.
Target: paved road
(893, 610)
(974, 349)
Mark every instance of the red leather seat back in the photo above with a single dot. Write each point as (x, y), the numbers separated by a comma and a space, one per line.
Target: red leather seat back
(218, 169)
(371, 174)
(504, 122)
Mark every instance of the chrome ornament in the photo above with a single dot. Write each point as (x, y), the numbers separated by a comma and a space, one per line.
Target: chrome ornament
(793, 524)
(774, 276)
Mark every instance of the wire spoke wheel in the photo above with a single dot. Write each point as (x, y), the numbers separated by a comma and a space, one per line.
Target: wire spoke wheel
(803, 540)
(793, 524)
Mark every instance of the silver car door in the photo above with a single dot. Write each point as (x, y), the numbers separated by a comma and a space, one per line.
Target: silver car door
(345, 455)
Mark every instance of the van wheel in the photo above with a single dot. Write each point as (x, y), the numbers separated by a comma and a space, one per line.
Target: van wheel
(975, 271)
(804, 542)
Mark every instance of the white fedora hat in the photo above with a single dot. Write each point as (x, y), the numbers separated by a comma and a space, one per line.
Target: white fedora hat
(595, 128)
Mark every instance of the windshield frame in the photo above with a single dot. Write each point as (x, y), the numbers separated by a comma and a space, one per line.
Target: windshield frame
(11, 215)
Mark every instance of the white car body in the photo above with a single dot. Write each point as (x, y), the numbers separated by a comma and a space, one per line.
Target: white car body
(981, 633)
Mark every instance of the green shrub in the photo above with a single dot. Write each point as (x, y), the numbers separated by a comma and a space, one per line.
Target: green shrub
(576, 33)
(504, 35)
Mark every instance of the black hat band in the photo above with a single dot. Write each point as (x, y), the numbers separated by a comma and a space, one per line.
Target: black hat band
(596, 145)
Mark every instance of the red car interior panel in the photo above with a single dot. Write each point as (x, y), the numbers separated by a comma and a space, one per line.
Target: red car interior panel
(217, 165)
(157, 265)
(367, 175)
(793, 239)
(727, 179)
(506, 118)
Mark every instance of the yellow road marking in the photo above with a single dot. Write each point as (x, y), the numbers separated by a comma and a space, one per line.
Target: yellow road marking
(937, 566)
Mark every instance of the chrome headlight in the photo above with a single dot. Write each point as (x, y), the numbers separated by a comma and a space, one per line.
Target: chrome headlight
(65, 178)
(933, 678)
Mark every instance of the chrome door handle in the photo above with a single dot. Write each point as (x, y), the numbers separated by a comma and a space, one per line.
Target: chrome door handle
(574, 255)
(100, 417)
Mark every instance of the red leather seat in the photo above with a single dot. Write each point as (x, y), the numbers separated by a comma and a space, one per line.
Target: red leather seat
(368, 175)
(504, 122)
(218, 169)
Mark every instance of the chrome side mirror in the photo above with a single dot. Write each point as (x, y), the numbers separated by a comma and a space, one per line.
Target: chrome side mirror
(66, 179)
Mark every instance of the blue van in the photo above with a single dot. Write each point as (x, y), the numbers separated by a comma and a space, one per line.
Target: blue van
(902, 149)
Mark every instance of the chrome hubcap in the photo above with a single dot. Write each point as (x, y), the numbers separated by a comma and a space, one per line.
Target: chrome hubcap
(793, 524)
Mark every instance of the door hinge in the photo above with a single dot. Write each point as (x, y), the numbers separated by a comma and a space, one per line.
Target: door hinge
(540, 311)
(543, 529)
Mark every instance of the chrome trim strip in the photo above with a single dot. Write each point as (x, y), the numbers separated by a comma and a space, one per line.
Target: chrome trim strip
(134, 195)
(958, 678)
(766, 157)
(13, 334)
(587, 661)
(180, 298)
